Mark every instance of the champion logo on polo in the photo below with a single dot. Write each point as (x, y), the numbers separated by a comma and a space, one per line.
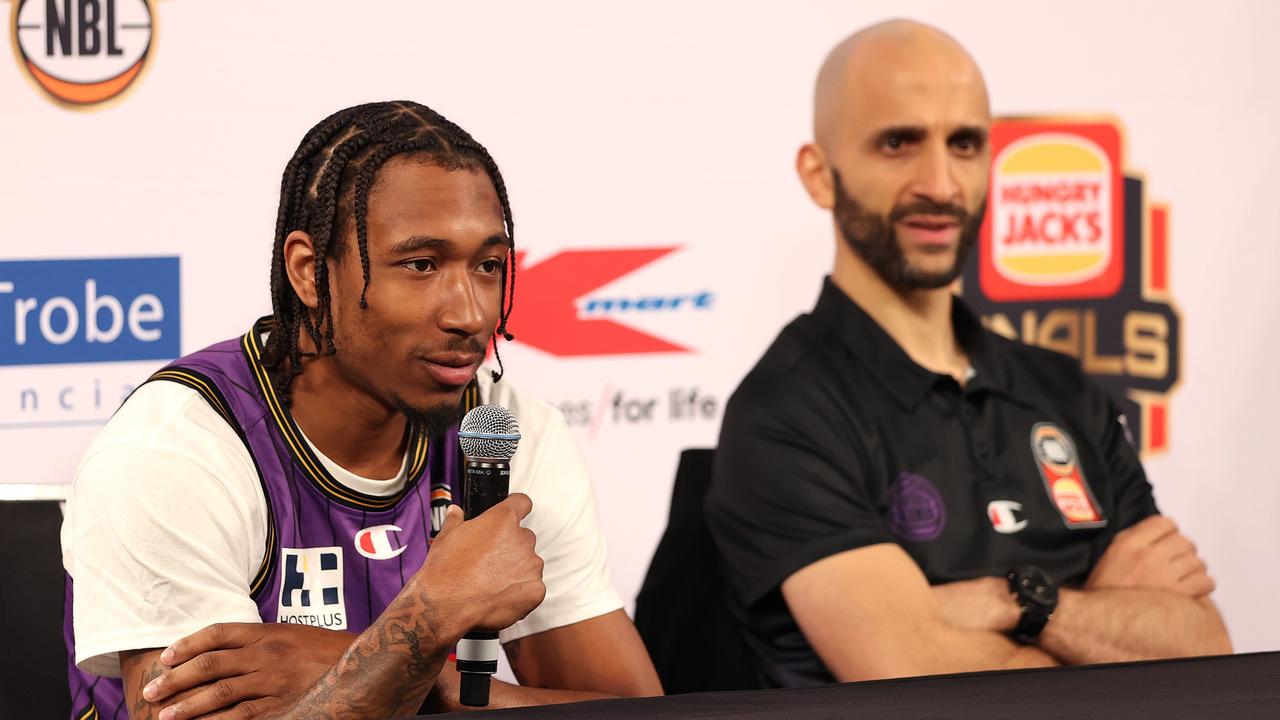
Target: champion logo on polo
(311, 588)
(1006, 516)
(1064, 479)
(916, 511)
(377, 543)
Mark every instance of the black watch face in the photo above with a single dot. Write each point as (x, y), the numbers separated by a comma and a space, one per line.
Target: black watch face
(1038, 588)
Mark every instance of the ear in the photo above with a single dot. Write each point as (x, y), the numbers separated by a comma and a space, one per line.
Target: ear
(300, 264)
(815, 173)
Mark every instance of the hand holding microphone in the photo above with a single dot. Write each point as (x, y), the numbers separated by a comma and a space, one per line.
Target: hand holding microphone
(488, 437)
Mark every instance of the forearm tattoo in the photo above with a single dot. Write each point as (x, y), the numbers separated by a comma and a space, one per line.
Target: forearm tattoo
(386, 672)
(141, 709)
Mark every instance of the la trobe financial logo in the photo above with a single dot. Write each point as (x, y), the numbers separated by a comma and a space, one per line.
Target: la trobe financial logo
(82, 53)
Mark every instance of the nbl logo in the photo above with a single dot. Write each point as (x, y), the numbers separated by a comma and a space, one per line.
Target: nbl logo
(83, 52)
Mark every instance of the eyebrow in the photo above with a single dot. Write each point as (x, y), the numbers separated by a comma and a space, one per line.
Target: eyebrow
(908, 133)
(917, 133)
(970, 132)
(415, 243)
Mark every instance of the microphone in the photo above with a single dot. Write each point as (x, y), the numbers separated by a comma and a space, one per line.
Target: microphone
(488, 437)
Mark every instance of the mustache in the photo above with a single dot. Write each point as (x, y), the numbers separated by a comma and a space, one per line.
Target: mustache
(454, 344)
(924, 206)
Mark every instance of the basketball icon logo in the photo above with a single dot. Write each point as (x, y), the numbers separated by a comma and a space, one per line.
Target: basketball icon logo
(82, 52)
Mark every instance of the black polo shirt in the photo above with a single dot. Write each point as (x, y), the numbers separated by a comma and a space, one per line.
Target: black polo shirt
(838, 440)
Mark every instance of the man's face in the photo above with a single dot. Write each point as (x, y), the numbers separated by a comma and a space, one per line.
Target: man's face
(910, 167)
(436, 248)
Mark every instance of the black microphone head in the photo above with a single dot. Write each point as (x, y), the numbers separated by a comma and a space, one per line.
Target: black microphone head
(489, 431)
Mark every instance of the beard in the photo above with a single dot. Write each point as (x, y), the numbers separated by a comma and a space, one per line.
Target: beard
(434, 420)
(874, 238)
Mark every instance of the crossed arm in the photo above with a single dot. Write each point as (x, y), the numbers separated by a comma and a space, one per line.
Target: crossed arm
(241, 669)
(491, 578)
(870, 613)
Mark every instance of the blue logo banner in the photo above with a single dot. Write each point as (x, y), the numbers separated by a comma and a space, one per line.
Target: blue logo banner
(86, 311)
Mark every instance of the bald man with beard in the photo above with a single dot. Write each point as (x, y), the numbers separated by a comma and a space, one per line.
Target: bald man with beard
(898, 491)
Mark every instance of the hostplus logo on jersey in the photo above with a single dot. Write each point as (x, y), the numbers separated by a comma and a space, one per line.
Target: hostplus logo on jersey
(1073, 257)
(82, 53)
(76, 336)
(311, 588)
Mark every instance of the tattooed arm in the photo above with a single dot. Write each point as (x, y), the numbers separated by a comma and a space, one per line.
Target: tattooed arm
(479, 574)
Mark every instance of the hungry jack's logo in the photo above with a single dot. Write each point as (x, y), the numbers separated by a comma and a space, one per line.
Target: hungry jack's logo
(1054, 228)
(82, 52)
(1074, 258)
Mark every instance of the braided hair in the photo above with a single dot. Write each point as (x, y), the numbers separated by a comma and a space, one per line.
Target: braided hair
(327, 182)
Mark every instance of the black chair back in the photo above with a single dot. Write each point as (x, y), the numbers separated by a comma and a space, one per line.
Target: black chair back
(681, 611)
(33, 666)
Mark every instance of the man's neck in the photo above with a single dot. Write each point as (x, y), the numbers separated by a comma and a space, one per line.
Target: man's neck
(358, 433)
(918, 320)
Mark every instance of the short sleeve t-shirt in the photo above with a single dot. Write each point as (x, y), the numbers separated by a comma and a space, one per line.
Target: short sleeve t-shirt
(838, 440)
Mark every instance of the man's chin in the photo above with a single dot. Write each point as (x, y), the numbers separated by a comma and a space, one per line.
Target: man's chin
(435, 417)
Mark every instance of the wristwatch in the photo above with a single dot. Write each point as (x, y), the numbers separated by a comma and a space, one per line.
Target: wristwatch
(1037, 594)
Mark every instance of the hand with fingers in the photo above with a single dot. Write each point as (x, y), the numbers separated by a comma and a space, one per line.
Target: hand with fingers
(1152, 554)
(481, 574)
(217, 668)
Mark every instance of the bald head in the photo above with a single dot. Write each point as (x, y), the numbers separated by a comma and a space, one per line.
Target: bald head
(900, 153)
(891, 57)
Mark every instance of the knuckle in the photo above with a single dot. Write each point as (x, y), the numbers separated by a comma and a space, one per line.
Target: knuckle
(223, 692)
(207, 663)
(275, 649)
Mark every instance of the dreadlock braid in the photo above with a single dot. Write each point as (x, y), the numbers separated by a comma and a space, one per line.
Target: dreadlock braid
(327, 183)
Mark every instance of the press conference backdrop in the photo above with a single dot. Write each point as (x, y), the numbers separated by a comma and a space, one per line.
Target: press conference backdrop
(664, 237)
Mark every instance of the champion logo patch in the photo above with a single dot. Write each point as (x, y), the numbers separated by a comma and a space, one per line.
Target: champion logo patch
(1063, 477)
(1006, 516)
(311, 588)
(377, 543)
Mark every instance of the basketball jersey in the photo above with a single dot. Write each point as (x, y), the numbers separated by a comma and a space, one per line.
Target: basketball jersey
(334, 557)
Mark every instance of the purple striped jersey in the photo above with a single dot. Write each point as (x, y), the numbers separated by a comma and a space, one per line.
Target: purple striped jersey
(334, 557)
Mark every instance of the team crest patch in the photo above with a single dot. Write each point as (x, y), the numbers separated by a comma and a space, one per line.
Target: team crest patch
(916, 511)
(1063, 477)
(311, 588)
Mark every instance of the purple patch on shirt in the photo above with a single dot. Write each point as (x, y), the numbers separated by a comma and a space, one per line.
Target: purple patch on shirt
(916, 512)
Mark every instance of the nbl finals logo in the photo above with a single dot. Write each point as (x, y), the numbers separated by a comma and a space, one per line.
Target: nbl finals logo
(1074, 258)
(82, 53)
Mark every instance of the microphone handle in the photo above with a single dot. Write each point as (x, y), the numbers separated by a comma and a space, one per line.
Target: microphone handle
(486, 482)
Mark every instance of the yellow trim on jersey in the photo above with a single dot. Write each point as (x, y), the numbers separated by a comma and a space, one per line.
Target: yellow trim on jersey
(301, 452)
(89, 713)
(206, 389)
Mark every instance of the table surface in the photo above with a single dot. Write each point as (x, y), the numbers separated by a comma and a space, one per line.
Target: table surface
(1220, 688)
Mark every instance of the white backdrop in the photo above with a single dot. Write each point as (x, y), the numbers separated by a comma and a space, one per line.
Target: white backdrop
(666, 124)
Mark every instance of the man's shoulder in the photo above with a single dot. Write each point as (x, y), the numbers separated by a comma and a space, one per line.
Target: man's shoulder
(795, 372)
(166, 416)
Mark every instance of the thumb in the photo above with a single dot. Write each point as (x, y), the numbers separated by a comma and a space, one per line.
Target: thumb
(452, 518)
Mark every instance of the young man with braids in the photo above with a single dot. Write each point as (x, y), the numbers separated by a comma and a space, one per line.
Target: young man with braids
(255, 505)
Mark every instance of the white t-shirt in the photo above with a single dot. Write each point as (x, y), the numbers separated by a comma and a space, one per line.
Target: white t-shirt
(166, 524)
